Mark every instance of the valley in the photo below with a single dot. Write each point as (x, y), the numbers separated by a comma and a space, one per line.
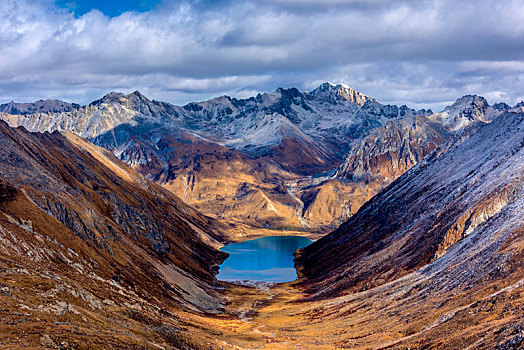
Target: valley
(112, 217)
(261, 175)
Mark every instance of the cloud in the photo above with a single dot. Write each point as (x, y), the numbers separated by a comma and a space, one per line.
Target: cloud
(421, 53)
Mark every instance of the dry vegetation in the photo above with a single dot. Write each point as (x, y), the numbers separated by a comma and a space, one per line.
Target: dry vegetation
(93, 256)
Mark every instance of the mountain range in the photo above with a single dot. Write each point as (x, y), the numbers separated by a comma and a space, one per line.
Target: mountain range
(112, 215)
(289, 160)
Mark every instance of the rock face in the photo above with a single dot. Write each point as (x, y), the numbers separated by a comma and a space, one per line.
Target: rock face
(389, 151)
(340, 92)
(85, 238)
(453, 217)
(467, 110)
(233, 159)
(268, 160)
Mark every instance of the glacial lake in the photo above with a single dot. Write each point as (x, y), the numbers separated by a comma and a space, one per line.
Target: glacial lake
(263, 259)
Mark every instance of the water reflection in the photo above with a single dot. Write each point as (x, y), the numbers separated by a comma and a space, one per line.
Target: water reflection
(262, 259)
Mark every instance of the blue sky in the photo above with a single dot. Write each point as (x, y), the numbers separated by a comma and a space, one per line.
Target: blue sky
(421, 53)
(111, 8)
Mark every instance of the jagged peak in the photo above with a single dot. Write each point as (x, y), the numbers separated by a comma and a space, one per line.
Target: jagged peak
(136, 94)
(329, 86)
(110, 97)
(281, 89)
(341, 92)
(114, 96)
(468, 100)
(218, 99)
(467, 110)
(336, 86)
(290, 92)
(501, 106)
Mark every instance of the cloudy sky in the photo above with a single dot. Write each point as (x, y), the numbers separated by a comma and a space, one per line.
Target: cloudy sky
(415, 52)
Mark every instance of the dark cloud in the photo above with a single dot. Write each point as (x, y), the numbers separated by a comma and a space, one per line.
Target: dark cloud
(421, 53)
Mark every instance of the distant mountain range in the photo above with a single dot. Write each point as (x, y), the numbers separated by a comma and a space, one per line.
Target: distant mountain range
(284, 160)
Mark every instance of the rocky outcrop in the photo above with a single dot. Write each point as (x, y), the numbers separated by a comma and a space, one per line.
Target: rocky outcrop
(468, 110)
(339, 92)
(389, 151)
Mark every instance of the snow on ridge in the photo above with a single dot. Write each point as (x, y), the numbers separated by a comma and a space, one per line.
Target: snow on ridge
(467, 110)
(333, 115)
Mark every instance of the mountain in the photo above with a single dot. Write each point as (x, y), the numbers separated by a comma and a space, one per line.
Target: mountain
(459, 194)
(374, 162)
(269, 160)
(335, 93)
(467, 110)
(390, 150)
(91, 250)
(94, 254)
(318, 121)
(261, 145)
(436, 257)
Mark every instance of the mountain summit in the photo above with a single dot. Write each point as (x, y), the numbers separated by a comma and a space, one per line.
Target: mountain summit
(339, 92)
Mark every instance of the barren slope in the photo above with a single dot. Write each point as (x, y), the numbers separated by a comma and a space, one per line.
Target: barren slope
(92, 253)
(466, 194)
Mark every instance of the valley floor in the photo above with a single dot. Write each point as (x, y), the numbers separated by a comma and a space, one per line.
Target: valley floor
(268, 316)
(277, 317)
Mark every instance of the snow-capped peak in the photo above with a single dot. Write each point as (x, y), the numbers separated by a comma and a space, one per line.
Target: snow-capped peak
(340, 92)
(339, 85)
(467, 110)
(467, 103)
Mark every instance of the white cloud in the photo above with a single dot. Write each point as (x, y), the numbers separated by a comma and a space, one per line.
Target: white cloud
(422, 53)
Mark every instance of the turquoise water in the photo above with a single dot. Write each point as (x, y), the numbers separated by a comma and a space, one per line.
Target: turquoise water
(263, 259)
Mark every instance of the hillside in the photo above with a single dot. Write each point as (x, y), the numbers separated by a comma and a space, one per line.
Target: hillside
(92, 252)
(443, 239)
